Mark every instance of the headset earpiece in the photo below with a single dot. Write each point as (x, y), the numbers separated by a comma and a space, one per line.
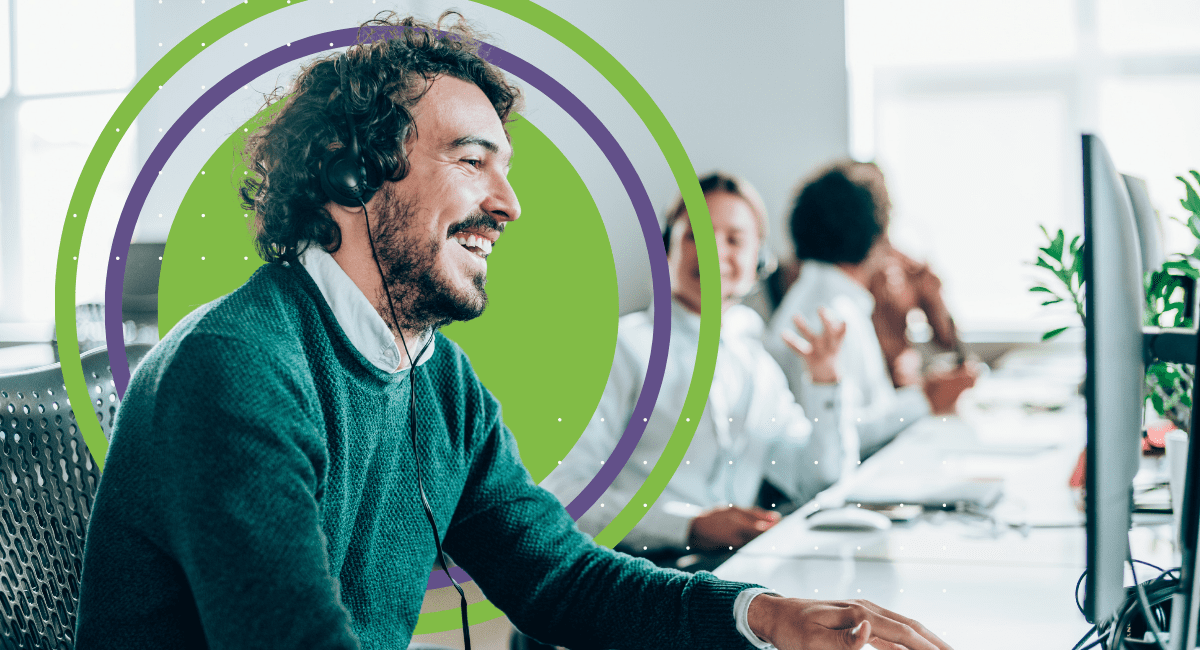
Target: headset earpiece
(346, 177)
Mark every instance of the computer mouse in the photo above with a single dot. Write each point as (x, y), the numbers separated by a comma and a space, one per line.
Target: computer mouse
(848, 519)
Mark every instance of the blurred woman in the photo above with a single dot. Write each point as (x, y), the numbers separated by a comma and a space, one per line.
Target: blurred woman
(752, 428)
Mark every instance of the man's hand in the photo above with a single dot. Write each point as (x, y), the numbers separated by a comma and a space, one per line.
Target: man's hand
(818, 350)
(721, 528)
(943, 388)
(795, 624)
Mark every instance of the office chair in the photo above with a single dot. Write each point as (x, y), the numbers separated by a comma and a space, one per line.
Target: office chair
(47, 480)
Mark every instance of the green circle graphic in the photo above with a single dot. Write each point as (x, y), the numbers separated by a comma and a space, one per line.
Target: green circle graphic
(545, 344)
(526, 11)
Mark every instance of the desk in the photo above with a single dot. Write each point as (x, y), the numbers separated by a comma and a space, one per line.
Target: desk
(982, 583)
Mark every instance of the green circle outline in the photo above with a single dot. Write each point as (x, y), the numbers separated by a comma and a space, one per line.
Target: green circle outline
(532, 14)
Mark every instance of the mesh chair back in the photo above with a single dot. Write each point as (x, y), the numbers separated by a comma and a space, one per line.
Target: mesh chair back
(48, 479)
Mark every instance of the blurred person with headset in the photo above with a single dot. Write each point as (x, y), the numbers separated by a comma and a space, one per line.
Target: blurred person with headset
(752, 428)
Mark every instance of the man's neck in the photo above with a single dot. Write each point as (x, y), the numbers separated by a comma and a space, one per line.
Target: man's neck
(363, 272)
(413, 340)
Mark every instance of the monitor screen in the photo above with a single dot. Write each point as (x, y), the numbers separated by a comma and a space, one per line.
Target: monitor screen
(1149, 230)
(1113, 303)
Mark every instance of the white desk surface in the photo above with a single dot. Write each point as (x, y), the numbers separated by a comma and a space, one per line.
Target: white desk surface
(1000, 582)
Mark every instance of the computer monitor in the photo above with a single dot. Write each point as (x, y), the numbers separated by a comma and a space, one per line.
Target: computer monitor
(1150, 237)
(1149, 230)
(1113, 301)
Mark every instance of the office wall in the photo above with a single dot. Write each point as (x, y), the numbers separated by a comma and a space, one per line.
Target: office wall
(758, 89)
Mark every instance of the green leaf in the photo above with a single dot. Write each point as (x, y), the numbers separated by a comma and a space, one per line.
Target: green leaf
(1052, 301)
(1053, 333)
(1076, 242)
(1041, 261)
(1157, 401)
(1056, 244)
(1192, 202)
(1184, 267)
(1042, 289)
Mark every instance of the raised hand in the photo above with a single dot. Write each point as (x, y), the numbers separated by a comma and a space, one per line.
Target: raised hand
(818, 350)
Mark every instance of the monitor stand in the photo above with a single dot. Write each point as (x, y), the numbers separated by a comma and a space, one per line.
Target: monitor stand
(1180, 346)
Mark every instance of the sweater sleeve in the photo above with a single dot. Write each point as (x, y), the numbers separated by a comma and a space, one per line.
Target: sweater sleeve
(245, 533)
(555, 584)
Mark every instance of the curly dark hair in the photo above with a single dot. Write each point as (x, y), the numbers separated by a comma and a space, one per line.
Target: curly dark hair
(835, 219)
(376, 82)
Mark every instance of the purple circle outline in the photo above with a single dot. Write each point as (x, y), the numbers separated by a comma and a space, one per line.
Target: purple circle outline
(511, 63)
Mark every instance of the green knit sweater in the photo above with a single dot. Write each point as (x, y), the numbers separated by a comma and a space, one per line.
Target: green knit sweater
(260, 492)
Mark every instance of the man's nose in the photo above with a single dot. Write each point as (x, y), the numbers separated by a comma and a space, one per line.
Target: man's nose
(501, 201)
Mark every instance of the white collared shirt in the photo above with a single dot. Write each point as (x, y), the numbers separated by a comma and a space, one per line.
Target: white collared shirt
(750, 429)
(356, 315)
(874, 408)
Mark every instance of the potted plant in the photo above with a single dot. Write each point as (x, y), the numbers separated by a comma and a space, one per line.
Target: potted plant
(1169, 385)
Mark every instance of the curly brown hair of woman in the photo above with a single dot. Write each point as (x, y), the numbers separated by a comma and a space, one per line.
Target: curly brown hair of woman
(377, 82)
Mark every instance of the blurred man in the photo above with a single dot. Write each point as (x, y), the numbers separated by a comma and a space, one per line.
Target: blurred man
(837, 226)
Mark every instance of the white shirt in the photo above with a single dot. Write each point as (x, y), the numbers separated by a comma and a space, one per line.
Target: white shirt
(875, 409)
(751, 429)
(356, 315)
(370, 335)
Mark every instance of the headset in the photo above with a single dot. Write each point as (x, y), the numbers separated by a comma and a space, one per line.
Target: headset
(350, 179)
(346, 176)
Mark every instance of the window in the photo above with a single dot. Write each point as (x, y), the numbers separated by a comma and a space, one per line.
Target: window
(974, 112)
(64, 68)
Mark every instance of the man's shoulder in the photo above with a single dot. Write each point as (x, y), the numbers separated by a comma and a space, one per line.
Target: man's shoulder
(268, 310)
(809, 292)
(270, 317)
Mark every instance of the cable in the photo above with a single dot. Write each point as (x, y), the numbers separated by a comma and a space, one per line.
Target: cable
(1141, 594)
(1080, 642)
(1150, 598)
(1161, 571)
(1077, 583)
(412, 392)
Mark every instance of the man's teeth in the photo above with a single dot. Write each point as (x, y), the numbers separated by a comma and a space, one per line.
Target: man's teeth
(483, 246)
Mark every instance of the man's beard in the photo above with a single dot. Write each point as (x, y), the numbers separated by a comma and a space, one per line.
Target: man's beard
(423, 297)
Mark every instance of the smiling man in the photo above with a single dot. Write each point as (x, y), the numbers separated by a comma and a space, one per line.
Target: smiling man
(290, 461)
